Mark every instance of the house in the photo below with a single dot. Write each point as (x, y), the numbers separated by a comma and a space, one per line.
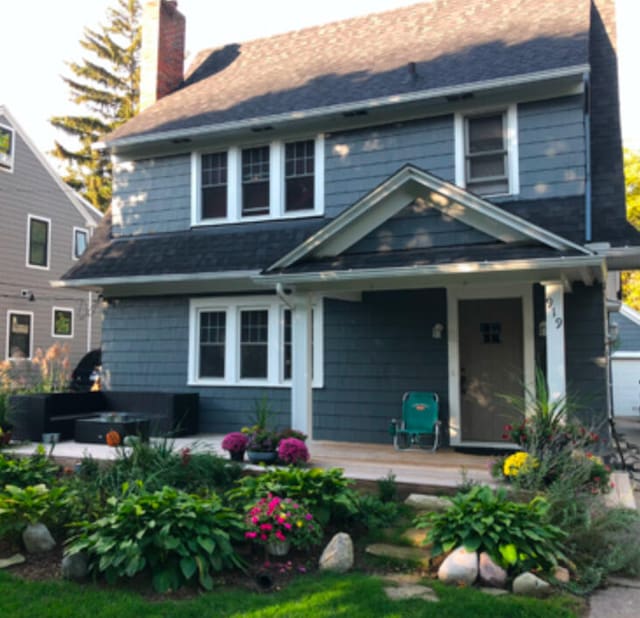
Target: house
(429, 198)
(625, 362)
(46, 228)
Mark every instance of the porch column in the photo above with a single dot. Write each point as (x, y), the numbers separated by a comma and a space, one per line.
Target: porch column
(556, 367)
(301, 391)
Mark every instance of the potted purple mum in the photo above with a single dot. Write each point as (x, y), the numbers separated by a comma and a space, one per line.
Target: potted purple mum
(236, 443)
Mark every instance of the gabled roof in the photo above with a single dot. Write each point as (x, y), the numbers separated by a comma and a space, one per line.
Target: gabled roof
(411, 184)
(437, 47)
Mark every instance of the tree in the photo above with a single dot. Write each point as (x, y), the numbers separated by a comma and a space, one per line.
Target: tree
(631, 279)
(107, 87)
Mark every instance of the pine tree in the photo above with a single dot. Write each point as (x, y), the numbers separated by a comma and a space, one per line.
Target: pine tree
(107, 87)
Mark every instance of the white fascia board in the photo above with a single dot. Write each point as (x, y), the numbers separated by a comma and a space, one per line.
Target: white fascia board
(246, 275)
(318, 112)
(630, 313)
(561, 263)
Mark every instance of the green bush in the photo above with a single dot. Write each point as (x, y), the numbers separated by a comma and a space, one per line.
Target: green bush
(177, 537)
(327, 493)
(376, 514)
(388, 487)
(515, 535)
(35, 469)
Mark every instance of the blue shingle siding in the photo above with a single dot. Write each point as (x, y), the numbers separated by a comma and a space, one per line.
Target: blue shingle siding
(628, 334)
(152, 196)
(375, 350)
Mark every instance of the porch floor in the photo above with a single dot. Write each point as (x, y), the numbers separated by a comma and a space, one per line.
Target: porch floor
(416, 469)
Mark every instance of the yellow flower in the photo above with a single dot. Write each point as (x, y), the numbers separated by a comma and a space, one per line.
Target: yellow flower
(518, 462)
(299, 523)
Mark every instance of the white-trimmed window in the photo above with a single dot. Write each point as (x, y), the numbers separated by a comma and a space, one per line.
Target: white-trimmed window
(19, 334)
(7, 148)
(487, 151)
(80, 241)
(246, 341)
(38, 242)
(61, 322)
(268, 181)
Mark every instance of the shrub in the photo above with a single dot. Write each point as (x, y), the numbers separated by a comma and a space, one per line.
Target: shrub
(275, 519)
(235, 442)
(35, 469)
(177, 537)
(292, 433)
(293, 451)
(376, 514)
(515, 535)
(327, 493)
(388, 488)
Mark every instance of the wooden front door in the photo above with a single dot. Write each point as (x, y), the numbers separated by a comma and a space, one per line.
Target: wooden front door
(491, 365)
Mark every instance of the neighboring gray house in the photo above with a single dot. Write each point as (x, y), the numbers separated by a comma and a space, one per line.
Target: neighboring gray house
(45, 229)
(423, 199)
(625, 362)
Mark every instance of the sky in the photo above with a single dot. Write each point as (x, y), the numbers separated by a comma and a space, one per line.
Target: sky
(40, 36)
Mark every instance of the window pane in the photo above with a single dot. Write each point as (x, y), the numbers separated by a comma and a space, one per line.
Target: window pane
(213, 326)
(487, 166)
(286, 345)
(254, 337)
(38, 232)
(62, 323)
(485, 133)
(489, 187)
(214, 185)
(79, 243)
(299, 176)
(255, 181)
(19, 335)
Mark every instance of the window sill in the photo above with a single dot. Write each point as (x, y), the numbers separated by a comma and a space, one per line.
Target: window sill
(244, 384)
(215, 222)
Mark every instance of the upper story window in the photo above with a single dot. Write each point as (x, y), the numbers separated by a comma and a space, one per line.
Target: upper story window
(80, 241)
(61, 322)
(274, 181)
(38, 242)
(487, 152)
(19, 339)
(7, 146)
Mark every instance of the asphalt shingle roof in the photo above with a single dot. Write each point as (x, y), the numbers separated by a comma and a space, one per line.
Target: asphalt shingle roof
(451, 42)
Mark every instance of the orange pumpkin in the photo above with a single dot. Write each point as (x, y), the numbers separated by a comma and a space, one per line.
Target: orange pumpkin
(113, 438)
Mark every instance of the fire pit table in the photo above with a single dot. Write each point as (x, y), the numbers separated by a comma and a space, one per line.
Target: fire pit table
(94, 429)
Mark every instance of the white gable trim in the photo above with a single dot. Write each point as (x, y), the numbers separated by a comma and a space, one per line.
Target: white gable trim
(408, 184)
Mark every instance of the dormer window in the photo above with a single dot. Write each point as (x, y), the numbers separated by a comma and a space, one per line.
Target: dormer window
(487, 152)
(275, 181)
(7, 139)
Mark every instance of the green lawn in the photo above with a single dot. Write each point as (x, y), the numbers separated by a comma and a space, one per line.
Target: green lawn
(330, 596)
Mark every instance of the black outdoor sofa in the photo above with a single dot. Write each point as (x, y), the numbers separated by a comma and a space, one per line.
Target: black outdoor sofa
(170, 414)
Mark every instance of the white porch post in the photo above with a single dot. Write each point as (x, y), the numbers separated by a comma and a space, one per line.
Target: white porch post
(556, 366)
(301, 391)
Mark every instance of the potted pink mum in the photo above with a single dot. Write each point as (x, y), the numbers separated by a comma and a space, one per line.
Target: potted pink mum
(236, 443)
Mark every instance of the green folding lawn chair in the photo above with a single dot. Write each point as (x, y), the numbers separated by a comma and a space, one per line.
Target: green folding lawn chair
(420, 423)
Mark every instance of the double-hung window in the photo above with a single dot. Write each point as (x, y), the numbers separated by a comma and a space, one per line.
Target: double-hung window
(272, 181)
(80, 241)
(487, 153)
(246, 341)
(19, 334)
(7, 147)
(38, 242)
(62, 322)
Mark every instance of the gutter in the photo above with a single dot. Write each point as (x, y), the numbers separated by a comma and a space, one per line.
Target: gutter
(587, 160)
(318, 112)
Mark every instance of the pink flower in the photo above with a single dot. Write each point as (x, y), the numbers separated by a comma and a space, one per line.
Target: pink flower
(308, 516)
(250, 535)
(266, 527)
(280, 536)
(287, 525)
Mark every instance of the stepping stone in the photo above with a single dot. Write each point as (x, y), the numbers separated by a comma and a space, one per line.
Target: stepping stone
(402, 579)
(623, 582)
(424, 502)
(412, 591)
(494, 592)
(621, 495)
(415, 536)
(5, 563)
(397, 552)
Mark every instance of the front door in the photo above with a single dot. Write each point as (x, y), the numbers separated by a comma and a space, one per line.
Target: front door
(491, 365)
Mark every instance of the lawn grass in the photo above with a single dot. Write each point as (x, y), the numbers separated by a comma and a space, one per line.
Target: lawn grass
(318, 596)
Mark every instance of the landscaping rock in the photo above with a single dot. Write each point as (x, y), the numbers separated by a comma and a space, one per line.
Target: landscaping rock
(459, 567)
(529, 585)
(415, 536)
(37, 539)
(423, 502)
(495, 592)
(75, 566)
(338, 554)
(5, 563)
(411, 591)
(490, 573)
(398, 552)
(562, 574)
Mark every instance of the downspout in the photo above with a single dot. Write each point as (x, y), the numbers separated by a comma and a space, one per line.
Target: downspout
(282, 295)
(587, 159)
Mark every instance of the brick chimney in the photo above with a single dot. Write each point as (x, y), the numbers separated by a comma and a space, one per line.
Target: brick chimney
(162, 57)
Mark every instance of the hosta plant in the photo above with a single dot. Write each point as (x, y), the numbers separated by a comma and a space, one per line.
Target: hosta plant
(516, 535)
(177, 537)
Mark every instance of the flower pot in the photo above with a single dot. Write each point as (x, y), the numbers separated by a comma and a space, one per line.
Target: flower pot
(236, 455)
(262, 457)
(278, 548)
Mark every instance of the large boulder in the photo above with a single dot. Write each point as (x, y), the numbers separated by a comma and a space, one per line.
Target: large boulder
(37, 539)
(75, 566)
(529, 585)
(338, 554)
(490, 573)
(459, 567)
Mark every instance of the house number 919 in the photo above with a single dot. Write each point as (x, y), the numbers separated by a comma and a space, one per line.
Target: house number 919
(557, 320)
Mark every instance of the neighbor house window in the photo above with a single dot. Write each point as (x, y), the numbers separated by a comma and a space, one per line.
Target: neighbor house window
(19, 330)
(246, 341)
(486, 152)
(7, 146)
(62, 322)
(278, 180)
(38, 242)
(80, 241)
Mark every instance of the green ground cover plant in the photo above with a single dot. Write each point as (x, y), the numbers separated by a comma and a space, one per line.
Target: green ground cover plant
(32, 470)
